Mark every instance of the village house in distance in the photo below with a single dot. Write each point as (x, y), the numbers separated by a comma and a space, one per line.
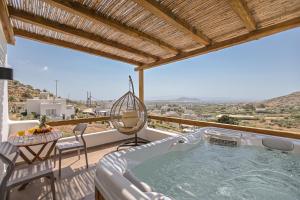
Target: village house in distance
(53, 108)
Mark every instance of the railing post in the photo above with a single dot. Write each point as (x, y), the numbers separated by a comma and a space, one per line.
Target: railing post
(141, 85)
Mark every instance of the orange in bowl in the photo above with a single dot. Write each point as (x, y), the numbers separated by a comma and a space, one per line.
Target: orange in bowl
(31, 130)
(21, 133)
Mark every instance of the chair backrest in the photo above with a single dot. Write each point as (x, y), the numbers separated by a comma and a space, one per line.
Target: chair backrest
(8, 157)
(79, 129)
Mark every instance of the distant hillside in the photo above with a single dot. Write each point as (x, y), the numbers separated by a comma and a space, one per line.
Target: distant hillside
(187, 99)
(292, 99)
(19, 92)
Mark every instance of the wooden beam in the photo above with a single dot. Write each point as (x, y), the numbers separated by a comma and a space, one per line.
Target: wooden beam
(6, 25)
(61, 43)
(83, 11)
(141, 85)
(285, 134)
(158, 10)
(65, 29)
(254, 35)
(241, 9)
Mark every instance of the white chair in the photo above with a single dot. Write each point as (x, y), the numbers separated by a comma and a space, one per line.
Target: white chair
(12, 176)
(73, 145)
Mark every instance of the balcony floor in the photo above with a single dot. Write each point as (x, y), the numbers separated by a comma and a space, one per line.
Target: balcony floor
(76, 181)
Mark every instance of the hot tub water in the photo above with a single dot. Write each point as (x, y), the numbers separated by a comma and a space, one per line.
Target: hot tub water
(214, 172)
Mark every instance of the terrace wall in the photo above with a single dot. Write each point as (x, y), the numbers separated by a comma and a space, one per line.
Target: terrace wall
(110, 136)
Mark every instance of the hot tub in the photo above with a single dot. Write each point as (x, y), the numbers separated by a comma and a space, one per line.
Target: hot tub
(212, 163)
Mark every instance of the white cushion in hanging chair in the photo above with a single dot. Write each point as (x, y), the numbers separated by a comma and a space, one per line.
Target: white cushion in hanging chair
(130, 130)
(130, 118)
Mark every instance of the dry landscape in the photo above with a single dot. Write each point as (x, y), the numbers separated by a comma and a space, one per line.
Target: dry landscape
(281, 113)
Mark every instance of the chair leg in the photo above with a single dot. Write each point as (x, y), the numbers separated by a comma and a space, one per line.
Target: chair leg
(7, 194)
(54, 158)
(52, 180)
(59, 163)
(86, 158)
(78, 152)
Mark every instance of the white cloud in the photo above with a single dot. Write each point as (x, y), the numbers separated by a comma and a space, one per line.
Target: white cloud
(45, 68)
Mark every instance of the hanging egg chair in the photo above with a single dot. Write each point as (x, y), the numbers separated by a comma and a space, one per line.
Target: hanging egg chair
(129, 115)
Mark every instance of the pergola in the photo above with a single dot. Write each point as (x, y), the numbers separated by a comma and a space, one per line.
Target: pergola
(147, 33)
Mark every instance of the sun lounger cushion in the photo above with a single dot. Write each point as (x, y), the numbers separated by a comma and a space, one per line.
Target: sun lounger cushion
(278, 144)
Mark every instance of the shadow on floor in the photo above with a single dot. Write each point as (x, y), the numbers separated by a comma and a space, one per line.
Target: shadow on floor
(78, 185)
(76, 182)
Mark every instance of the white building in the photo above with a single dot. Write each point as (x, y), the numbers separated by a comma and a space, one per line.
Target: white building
(261, 110)
(53, 108)
(101, 112)
(155, 112)
(189, 116)
(171, 114)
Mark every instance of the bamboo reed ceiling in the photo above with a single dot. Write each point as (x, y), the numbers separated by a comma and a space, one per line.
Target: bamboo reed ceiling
(147, 33)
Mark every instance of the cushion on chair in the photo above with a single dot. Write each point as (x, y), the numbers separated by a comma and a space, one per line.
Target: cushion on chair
(27, 173)
(68, 145)
(278, 144)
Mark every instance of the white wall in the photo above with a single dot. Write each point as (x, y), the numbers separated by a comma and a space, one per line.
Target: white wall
(46, 106)
(104, 137)
(39, 106)
(69, 111)
(3, 89)
(21, 125)
(33, 105)
(152, 134)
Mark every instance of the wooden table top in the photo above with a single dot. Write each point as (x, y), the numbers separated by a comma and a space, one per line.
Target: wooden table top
(31, 140)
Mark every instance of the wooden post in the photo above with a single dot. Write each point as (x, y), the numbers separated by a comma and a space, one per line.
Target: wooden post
(141, 85)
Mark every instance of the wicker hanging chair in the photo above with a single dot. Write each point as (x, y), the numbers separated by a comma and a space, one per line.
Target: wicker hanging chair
(129, 115)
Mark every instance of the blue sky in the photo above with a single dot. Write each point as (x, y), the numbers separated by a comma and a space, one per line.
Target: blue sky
(261, 69)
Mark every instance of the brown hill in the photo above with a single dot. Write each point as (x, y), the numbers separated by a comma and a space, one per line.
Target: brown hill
(292, 99)
(19, 92)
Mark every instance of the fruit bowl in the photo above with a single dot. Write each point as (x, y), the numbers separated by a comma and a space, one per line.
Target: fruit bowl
(38, 130)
